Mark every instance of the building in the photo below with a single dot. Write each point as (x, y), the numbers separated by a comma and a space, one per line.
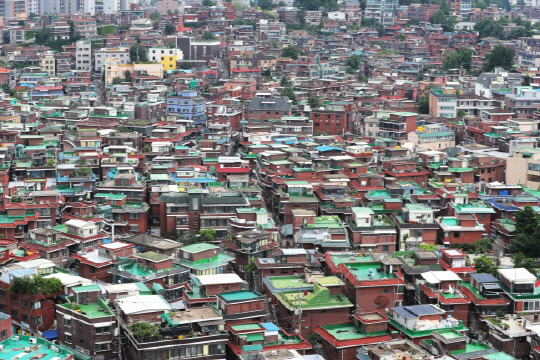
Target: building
(523, 167)
(198, 49)
(383, 11)
(305, 310)
(167, 6)
(204, 259)
(19, 346)
(522, 288)
(114, 68)
(86, 323)
(103, 54)
(83, 55)
(418, 322)
(166, 56)
(13, 10)
(197, 333)
(188, 105)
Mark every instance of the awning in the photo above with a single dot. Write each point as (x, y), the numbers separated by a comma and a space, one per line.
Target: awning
(102, 324)
(158, 288)
(77, 354)
(50, 335)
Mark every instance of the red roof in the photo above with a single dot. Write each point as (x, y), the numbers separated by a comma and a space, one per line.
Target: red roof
(353, 342)
(48, 88)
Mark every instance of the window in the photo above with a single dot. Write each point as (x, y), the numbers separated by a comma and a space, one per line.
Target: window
(3, 334)
(36, 320)
(14, 313)
(133, 216)
(102, 347)
(456, 234)
(67, 338)
(284, 271)
(67, 322)
(36, 305)
(24, 303)
(387, 290)
(103, 330)
(14, 297)
(3, 293)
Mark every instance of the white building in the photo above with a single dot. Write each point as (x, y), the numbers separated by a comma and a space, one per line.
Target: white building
(383, 11)
(83, 55)
(122, 54)
(110, 6)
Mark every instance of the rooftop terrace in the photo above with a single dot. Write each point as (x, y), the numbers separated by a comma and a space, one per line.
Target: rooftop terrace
(349, 331)
(368, 271)
(92, 311)
(19, 347)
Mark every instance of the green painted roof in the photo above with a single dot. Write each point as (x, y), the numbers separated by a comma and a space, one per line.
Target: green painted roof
(195, 248)
(319, 298)
(246, 327)
(77, 289)
(240, 295)
(111, 196)
(152, 256)
(349, 331)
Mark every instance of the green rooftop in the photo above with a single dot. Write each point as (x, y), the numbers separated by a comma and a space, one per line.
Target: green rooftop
(93, 287)
(349, 331)
(332, 222)
(414, 333)
(247, 327)
(153, 256)
(196, 248)
(209, 263)
(343, 257)
(368, 271)
(23, 349)
(287, 282)
(471, 347)
(319, 298)
(329, 281)
(473, 207)
(111, 196)
(240, 295)
(92, 311)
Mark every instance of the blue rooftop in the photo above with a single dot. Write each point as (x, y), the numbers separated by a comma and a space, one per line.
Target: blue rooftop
(270, 326)
(328, 148)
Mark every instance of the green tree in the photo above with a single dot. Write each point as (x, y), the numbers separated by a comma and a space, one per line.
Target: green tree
(527, 238)
(483, 246)
(484, 265)
(36, 285)
(313, 101)
(127, 76)
(521, 261)
(137, 53)
(8, 90)
(116, 81)
(489, 27)
(285, 81)
(143, 331)
(207, 35)
(526, 81)
(171, 44)
(208, 3)
(208, 234)
(21, 23)
(413, 22)
(354, 61)
(289, 92)
(105, 30)
(402, 37)
(266, 4)
(169, 29)
(461, 58)
(423, 103)
(291, 51)
(154, 16)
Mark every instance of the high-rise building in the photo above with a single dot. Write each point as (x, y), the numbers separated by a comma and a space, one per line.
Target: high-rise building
(13, 9)
(383, 11)
(83, 55)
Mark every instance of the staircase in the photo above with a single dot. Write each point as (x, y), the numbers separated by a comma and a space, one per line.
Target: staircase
(256, 282)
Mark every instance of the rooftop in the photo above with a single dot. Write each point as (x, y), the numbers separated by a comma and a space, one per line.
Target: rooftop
(20, 347)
